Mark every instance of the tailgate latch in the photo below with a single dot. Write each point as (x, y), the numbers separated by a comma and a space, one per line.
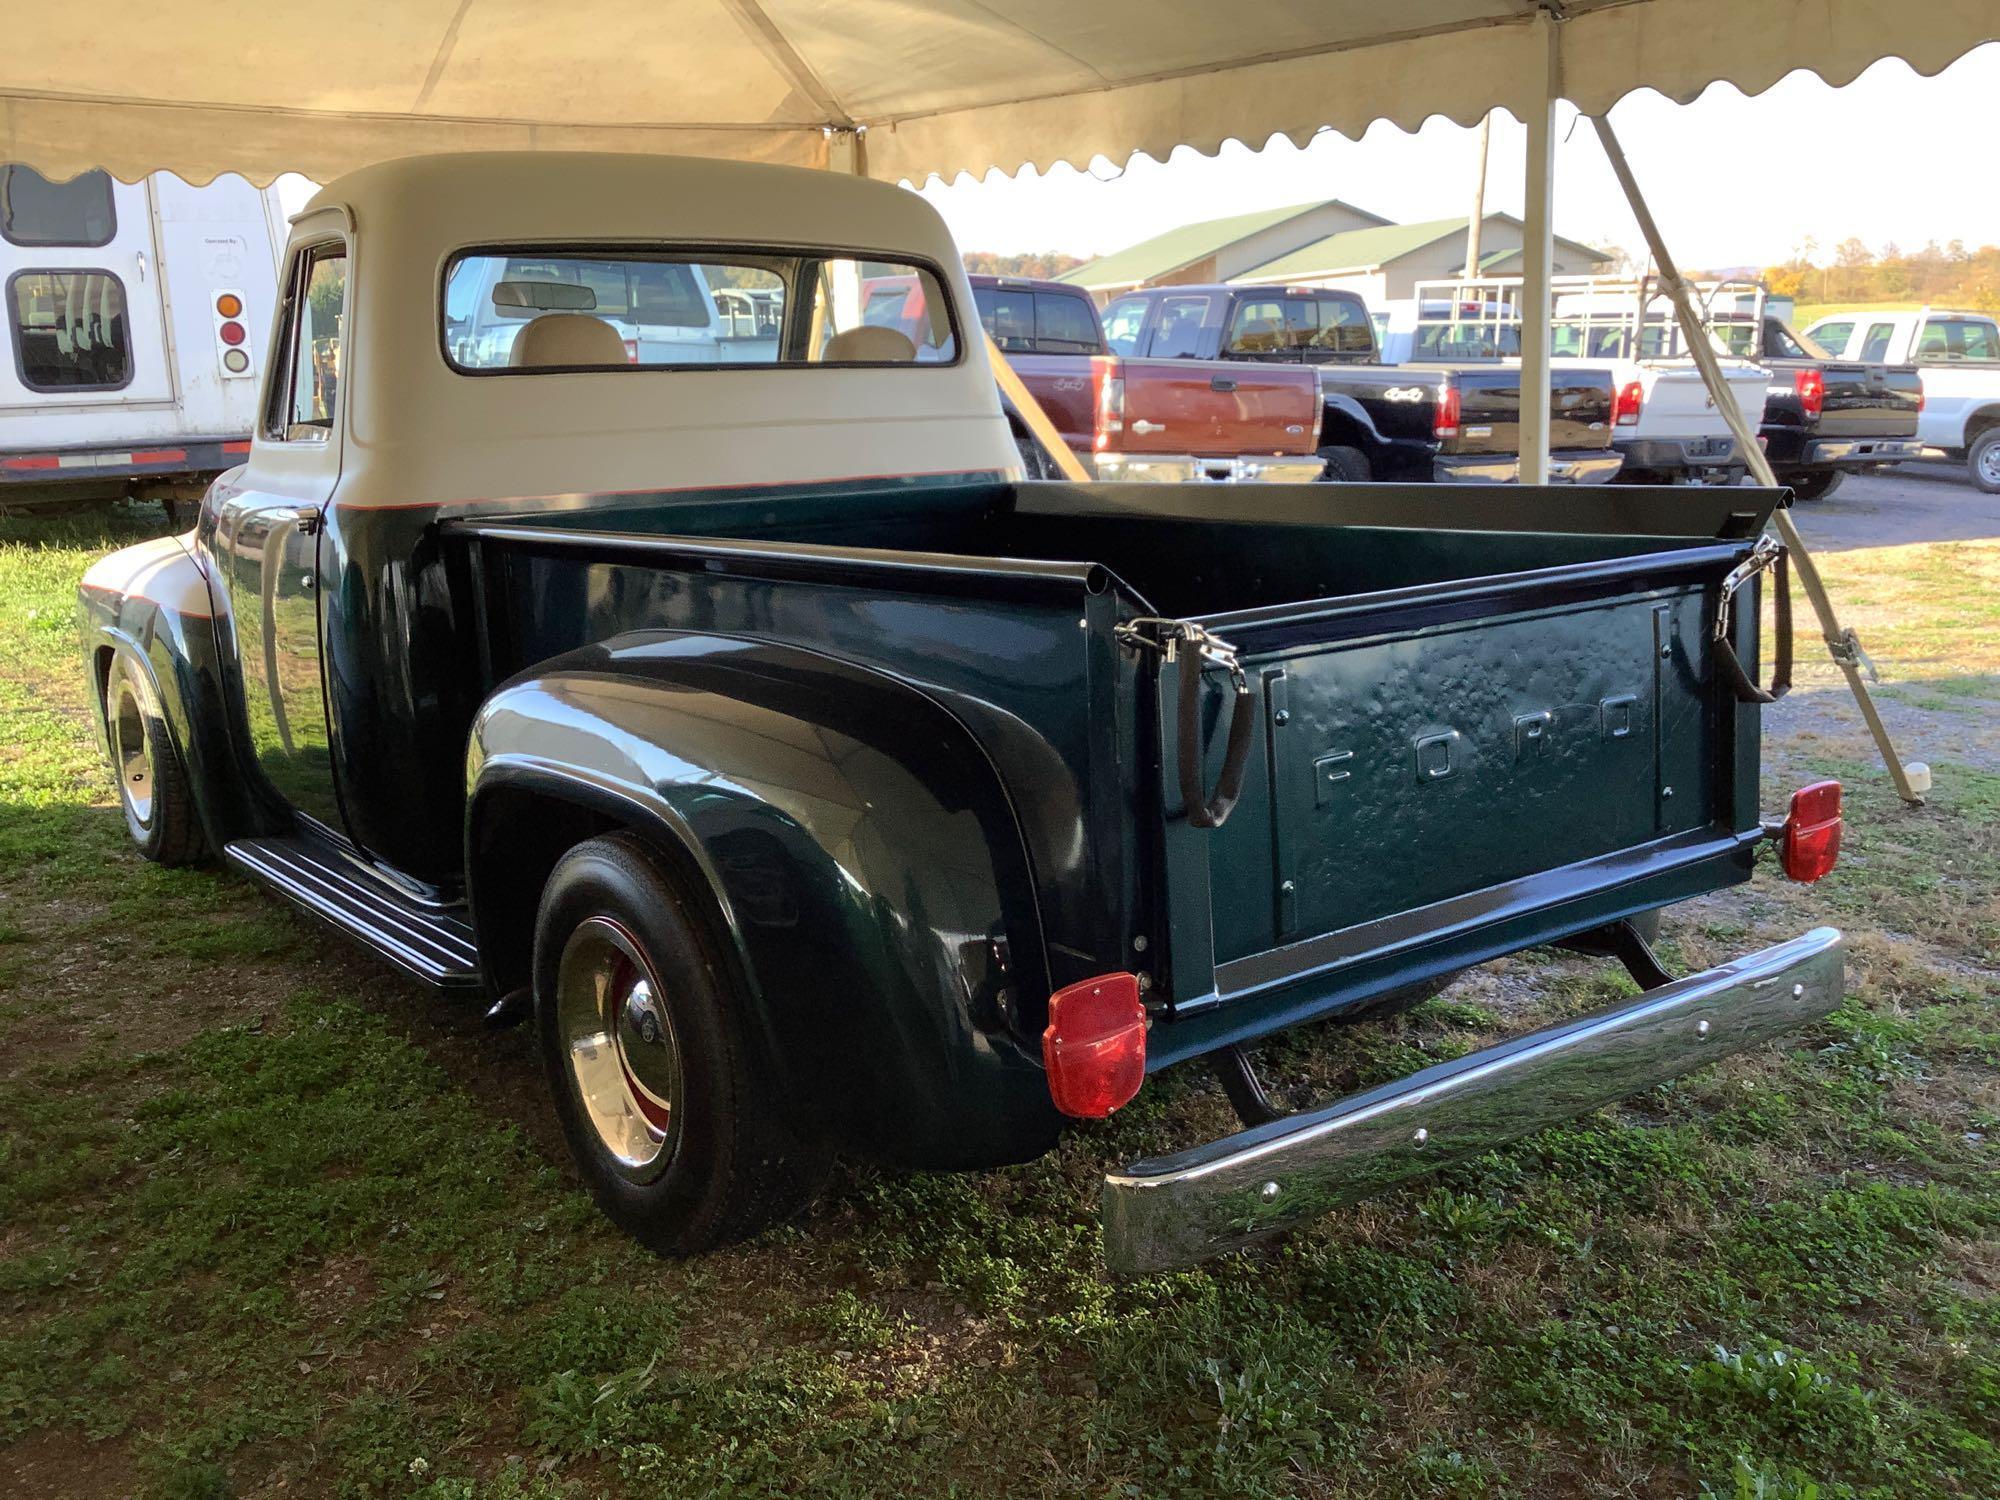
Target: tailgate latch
(1769, 553)
(1190, 646)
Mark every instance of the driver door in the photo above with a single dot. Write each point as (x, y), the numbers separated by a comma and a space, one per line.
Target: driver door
(267, 534)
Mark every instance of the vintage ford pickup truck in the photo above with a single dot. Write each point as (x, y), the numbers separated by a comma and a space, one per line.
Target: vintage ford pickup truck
(816, 785)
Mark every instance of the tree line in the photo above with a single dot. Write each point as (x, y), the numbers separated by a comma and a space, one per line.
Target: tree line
(1947, 275)
(1040, 267)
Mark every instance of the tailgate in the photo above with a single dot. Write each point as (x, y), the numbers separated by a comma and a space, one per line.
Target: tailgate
(1869, 401)
(1216, 408)
(1447, 772)
(1490, 409)
(1678, 405)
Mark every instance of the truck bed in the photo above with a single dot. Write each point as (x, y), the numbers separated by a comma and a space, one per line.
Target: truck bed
(1465, 740)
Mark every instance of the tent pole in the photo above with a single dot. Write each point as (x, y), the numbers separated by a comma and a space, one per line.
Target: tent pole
(1537, 252)
(1841, 643)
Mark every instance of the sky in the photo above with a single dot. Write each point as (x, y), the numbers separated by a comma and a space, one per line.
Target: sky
(1733, 180)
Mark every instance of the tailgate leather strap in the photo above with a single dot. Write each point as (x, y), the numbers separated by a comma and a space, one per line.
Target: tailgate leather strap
(1186, 643)
(1202, 811)
(1771, 554)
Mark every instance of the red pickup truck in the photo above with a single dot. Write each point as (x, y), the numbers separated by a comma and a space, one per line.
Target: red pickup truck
(1173, 419)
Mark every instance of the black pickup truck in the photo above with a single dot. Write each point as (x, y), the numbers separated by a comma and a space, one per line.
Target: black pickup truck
(1825, 416)
(814, 787)
(1413, 423)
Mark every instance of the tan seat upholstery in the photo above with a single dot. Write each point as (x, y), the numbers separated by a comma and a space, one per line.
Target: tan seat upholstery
(556, 339)
(869, 345)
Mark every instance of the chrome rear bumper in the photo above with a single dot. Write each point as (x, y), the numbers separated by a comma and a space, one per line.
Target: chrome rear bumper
(1185, 469)
(1179, 1209)
(1863, 450)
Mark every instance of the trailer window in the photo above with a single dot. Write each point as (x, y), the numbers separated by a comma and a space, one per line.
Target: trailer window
(35, 211)
(562, 311)
(305, 389)
(70, 330)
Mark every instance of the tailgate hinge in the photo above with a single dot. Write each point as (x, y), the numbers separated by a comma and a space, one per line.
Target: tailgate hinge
(1189, 645)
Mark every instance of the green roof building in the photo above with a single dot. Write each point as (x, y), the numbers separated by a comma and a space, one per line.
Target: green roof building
(1383, 262)
(1219, 249)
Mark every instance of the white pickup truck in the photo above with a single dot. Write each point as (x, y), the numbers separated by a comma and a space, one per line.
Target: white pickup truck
(1664, 421)
(1958, 354)
(1665, 426)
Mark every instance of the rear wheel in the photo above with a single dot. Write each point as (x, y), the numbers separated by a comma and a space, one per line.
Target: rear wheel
(1346, 465)
(1983, 462)
(1816, 485)
(153, 790)
(642, 1019)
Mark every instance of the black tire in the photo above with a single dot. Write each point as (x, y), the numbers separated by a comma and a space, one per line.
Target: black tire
(1982, 461)
(1345, 465)
(1033, 465)
(1816, 485)
(727, 1163)
(153, 789)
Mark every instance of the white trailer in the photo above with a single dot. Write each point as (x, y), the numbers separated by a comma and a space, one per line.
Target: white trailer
(137, 319)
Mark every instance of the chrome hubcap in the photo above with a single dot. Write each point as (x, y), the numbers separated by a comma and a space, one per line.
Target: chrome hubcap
(1989, 463)
(128, 752)
(624, 1060)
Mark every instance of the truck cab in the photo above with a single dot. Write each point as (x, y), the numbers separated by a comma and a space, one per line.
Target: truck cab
(809, 784)
(1958, 356)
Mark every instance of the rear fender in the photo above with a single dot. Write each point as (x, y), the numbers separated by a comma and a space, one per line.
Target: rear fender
(857, 852)
(1344, 414)
(151, 604)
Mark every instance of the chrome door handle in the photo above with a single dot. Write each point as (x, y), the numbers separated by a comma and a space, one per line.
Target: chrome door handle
(1143, 426)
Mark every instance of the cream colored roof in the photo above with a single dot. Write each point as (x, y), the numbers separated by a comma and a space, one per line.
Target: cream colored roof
(206, 86)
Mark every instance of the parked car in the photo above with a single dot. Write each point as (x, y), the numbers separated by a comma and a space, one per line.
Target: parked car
(1160, 419)
(137, 318)
(1438, 421)
(1825, 418)
(1958, 356)
(817, 787)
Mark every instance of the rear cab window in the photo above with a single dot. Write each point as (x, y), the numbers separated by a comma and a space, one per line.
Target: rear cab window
(1124, 321)
(1831, 337)
(1178, 334)
(1024, 320)
(1875, 345)
(534, 311)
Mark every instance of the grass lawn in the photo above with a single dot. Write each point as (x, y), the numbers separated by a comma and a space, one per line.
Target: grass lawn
(273, 1220)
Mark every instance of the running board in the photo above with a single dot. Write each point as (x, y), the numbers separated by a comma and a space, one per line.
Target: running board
(433, 943)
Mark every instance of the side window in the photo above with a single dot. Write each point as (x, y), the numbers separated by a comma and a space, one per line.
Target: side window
(70, 330)
(1178, 335)
(1122, 322)
(1065, 325)
(35, 211)
(1832, 337)
(1876, 345)
(1009, 316)
(1258, 327)
(305, 383)
(1343, 326)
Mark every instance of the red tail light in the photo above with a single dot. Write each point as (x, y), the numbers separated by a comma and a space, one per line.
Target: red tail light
(1444, 423)
(1110, 408)
(1095, 1045)
(1809, 847)
(631, 351)
(1631, 401)
(1811, 386)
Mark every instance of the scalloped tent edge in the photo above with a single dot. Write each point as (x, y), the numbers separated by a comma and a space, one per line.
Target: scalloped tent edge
(925, 120)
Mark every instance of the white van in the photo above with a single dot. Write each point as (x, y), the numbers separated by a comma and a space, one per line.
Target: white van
(137, 317)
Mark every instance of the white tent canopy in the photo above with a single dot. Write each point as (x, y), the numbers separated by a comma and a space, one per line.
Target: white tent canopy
(200, 87)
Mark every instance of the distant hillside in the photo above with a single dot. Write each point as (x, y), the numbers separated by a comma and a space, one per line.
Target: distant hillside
(1041, 267)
